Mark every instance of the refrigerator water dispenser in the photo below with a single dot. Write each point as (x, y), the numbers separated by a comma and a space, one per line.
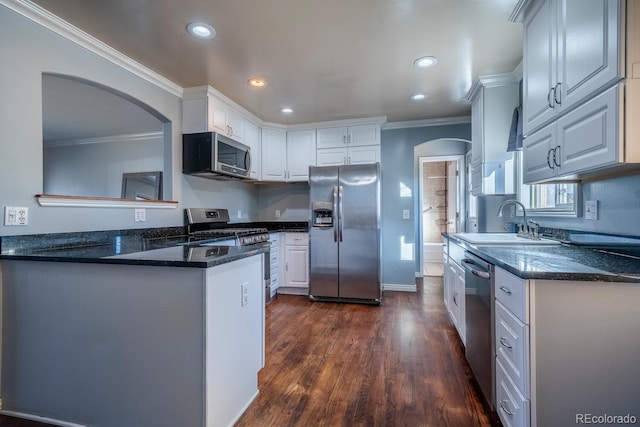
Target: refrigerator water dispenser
(322, 214)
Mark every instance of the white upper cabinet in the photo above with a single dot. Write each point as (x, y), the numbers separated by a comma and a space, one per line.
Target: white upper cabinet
(348, 145)
(572, 50)
(274, 154)
(203, 112)
(286, 156)
(252, 138)
(586, 139)
(301, 153)
(226, 121)
(493, 100)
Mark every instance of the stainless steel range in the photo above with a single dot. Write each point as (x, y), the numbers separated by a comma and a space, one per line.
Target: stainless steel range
(210, 227)
(209, 224)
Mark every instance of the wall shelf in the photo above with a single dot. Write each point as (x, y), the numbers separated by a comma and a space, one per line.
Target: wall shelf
(102, 202)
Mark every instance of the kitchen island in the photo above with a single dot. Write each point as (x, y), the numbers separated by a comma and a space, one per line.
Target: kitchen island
(102, 336)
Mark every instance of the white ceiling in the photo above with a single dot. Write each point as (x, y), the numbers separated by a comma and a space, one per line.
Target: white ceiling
(328, 60)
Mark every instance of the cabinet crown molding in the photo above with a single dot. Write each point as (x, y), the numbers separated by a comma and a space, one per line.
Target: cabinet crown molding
(490, 80)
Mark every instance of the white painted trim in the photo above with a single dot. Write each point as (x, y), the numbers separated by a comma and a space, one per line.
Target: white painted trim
(377, 120)
(62, 201)
(519, 10)
(206, 90)
(51, 22)
(399, 287)
(427, 122)
(243, 410)
(292, 290)
(518, 72)
(490, 80)
(41, 419)
(143, 136)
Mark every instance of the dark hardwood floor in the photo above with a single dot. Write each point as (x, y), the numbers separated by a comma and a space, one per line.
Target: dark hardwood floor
(399, 364)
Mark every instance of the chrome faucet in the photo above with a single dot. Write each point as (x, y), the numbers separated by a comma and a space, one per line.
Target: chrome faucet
(525, 227)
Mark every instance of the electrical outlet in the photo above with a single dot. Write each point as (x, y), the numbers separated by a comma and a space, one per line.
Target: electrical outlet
(245, 293)
(277, 213)
(140, 215)
(591, 210)
(239, 213)
(16, 215)
(406, 214)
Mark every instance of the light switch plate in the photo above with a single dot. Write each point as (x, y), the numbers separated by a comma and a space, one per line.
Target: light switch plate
(14, 215)
(140, 215)
(591, 210)
(406, 214)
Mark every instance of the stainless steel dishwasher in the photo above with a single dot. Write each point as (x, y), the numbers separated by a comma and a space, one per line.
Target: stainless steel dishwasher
(480, 351)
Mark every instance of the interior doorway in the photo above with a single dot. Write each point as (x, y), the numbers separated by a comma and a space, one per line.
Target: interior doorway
(441, 204)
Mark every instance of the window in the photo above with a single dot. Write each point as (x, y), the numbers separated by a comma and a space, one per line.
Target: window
(559, 199)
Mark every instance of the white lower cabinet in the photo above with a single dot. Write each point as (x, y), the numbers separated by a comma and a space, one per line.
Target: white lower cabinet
(565, 350)
(295, 264)
(274, 239)
(454, 291)
(512, 408)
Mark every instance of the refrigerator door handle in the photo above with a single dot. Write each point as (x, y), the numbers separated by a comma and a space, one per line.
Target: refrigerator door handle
(340, 194)
(335, 214)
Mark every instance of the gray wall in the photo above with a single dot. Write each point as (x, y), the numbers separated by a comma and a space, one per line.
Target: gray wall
(292, 200)
(26, 52)
(400, 174)
(618, 207)
(96, 169)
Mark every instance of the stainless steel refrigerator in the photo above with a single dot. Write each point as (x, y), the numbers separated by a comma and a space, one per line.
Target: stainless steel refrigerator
(344, 233)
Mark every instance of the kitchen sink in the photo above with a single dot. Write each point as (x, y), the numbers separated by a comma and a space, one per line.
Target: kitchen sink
(501, 239)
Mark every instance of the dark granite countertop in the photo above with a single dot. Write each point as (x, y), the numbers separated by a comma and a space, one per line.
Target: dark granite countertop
(557, 262)
(166, 247)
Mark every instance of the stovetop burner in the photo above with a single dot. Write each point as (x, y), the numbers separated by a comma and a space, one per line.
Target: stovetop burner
(205, 224)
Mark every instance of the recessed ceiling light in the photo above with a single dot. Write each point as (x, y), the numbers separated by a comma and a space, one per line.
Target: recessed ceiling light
(201, 30)
(256, 82)
(287, 110)
(425, 62)
(418, 96)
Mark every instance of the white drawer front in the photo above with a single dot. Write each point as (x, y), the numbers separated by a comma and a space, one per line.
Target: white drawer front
(297, 238)
(512, 292)
(512, 408)
(512, 347)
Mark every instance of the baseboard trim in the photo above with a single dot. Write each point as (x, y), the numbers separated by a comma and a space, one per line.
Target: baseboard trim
(40, 419)
(245, 407)
(290, 290)
(399, 287)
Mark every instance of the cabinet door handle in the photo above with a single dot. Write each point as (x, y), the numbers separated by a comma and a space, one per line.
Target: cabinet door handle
(349, 159)
(505, 290)
(455, 301)
(556, 156)
(556, 89)
(505, 408)
(344, 160)
(286, 266)
(550, 99)
(549, 158)
(505, 343)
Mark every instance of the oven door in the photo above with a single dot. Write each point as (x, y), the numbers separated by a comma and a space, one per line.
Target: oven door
(479, 351)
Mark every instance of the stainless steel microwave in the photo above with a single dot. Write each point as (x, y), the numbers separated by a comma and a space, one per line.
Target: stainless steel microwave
(212, 155)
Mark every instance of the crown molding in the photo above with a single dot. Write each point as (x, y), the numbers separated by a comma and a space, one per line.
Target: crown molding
(490, 80)
(143, 136)
(377, 120)
(427, 122)
(517, 15)
(53, 23)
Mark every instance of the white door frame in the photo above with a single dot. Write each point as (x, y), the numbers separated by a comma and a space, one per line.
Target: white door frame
(461, 208)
